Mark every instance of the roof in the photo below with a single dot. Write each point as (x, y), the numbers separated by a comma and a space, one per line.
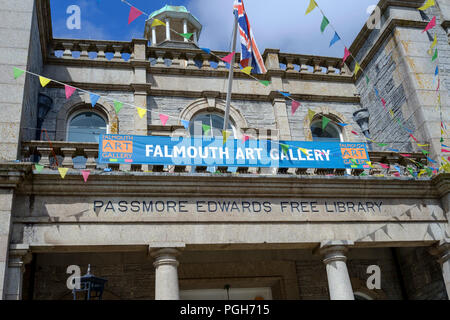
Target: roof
(169, 8)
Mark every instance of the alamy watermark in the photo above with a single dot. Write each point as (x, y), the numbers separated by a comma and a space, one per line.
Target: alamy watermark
(74, 20)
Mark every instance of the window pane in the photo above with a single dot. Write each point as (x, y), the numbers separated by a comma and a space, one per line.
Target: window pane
(330, 134)
(213, 120)
(86, 127)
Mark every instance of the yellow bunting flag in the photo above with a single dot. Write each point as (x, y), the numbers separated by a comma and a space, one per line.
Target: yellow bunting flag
(357, 68)
(226, 135)
(157, 22)
(428, 4)
(422, 172)
(392, 113)
(434, 42)
(63, 172)
(142, 112)
(247, 70)
(44, 81)
(369, 163)
(305, 151)
(311, 7)
(311, 114)
(423, 145)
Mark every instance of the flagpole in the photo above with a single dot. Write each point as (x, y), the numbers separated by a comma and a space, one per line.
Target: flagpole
(230, 76)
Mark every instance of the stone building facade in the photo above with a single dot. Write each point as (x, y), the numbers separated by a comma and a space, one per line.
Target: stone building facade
(300, 248)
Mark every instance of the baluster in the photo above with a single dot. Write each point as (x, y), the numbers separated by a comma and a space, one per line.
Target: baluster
(67, 49)
(160, 58)
(206, 64)
(45, 154)
(290, 64)
(91, 155)
(117, 52)
(190, 63)
(68, 157)
(84, 54)
(317, 67)
(303, 65)
(330, 68)
(101, 48)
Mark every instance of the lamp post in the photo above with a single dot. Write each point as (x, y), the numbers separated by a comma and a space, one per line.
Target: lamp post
(361, 117)
(91, 285)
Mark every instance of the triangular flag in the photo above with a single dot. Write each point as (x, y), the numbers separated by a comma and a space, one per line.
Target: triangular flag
(431, 160)
(85, 174)
(208, 51)
(18, 72)
(435, 55)
(186, 35)
(325, 122)
(157, 22)
(367, 80)
(423, 145)
(346, 54)
(141, 112)
(265, 82)
(357, 68)
(44, 81)
(286, 94)
(305, 151)
(118, 106)
(185, 124)
(428, 4)
(355, 133)
(335, 39)
(206, 128)
(94, 98)
(405, 155)
(38, 167)
(414, 138)
(163, 118)
(311, 114)
(430, 24)
(63, 172)
(425, 152)
(247, 70)
(434, 42)
(312, 5)
(245, 138)
(342, 124)
(284, 148)
(134, 13)
(324, 24)
(384, 166)
(225, 135)
(228, 58)
(295, 105)
(69, 91)
(382, 144)
(411, 171)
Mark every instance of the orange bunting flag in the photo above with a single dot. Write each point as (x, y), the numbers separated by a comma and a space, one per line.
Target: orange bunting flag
(63, 172)
(44, 81)
(163, 118)
(85, 174)
(142, 112)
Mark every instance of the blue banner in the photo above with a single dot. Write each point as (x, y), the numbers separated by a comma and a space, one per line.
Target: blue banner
(186, 151)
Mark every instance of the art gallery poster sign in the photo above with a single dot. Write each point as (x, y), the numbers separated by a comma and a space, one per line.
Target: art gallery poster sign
(187, 151)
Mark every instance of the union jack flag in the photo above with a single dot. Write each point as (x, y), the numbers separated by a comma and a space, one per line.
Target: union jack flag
(250, 55)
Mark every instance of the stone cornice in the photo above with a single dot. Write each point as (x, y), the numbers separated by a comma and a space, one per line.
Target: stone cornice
(442, 183)
(49, 182)
(12, 174)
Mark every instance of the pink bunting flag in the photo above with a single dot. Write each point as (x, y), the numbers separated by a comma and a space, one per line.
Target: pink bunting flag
(405, 155)
(295, 105)
(245, 138)
(134, 13)
(413, 137)
(383, 102)
(384, 166)
(396, 174)
(85, 174)
(355, 133)
(69, 91)
(163, 118)
(228, 58)
(445, 150)
(430, 25)
(346, 54)
(439, 84)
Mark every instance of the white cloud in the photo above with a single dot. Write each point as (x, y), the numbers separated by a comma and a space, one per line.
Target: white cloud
(282, 24)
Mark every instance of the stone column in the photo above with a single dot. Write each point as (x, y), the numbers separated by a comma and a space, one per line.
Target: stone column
(443, 252)
(166, 274)
(19, 255)
(185, 30)
(335, 259)
(154, 36)
(167, 29)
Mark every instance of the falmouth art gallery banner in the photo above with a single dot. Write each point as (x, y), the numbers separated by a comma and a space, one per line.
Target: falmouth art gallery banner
(187, 151)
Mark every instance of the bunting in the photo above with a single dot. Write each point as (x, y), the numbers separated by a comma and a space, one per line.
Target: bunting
(85, 174)
(94, 98)
(228, 58)
(206, 129)
(44, 81)
(325, 23)
(18, 72)
(69, 91)
(141, 112)
(185, 124)
(134, 14)
(225, 135)
(295, 105)
(311, 7)
(63, 172)
(325, 122)
(247, 70)
(118, 106)
(430, 25)
(38, 167)
(157, 22)
(427, 5)
(335, 39)
(163, 118)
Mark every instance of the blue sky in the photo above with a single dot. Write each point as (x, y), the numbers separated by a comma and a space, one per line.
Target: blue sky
(280, 24)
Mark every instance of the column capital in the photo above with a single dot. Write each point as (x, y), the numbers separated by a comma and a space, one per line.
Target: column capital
(334, 250)
(19, 256)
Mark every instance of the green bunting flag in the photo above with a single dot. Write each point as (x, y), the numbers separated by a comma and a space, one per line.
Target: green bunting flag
(324, 24)
(118, 106)
(265, 82)
(425, 152)
(367, 80)
(354, 161)
(382, 144)
(435, 55)
(186, 35)
(18, 72)
(284, 148)
(38, 167)
(411, 171)
(363, 174)
(206, 128)
(325, 122)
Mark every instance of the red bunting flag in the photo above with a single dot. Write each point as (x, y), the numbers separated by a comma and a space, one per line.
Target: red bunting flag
(346, 54)
(163, 118)
(69, 91)
(430, 25)
(355, 133)
(228, 58)
(383, 102)
(295, 105)
(413, 137)
(85, 174)
(134, 14)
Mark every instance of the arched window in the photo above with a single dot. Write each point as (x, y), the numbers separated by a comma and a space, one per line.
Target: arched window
(214, 121)
(86, 127)
(331, 133)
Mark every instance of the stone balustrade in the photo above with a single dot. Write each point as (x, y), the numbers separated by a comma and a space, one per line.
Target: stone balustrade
(298, 63)
(84, 156)
(91, 49)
